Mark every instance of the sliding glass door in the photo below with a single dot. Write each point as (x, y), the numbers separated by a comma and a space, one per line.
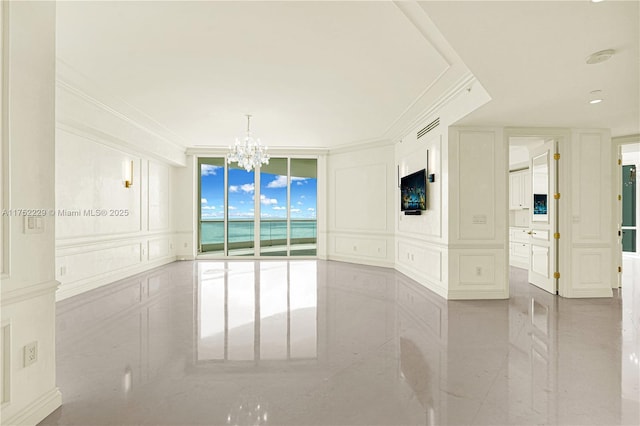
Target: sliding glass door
(274, 183)
(240, 211)
(212, 205)
(279, 199)
(304, 190)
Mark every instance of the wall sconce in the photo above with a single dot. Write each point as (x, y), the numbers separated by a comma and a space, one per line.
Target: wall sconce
(128, 175)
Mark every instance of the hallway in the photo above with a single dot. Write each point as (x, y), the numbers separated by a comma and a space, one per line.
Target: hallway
(329, 343)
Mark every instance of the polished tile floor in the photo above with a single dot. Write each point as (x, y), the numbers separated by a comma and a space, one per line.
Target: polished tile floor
(329, 343)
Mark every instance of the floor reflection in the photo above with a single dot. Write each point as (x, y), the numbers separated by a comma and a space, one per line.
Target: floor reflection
(252, 312)
(322, 343)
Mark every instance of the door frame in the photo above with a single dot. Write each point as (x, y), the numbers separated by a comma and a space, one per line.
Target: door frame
(616, 170)
(563, 252)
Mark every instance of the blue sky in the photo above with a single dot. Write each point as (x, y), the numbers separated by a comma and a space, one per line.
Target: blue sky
(273, 197)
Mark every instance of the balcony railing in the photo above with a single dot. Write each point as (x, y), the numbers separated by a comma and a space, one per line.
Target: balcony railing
(273, 233)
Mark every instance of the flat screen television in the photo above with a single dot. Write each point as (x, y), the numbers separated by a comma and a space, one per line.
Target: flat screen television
(413, 191)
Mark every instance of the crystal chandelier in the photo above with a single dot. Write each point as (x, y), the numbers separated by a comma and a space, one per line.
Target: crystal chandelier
(248, 153)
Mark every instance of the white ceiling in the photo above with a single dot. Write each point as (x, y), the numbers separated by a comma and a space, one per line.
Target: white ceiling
(530, 56)
(324, 74)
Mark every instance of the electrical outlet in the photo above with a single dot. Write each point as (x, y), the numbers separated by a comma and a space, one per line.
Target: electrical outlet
(478, 271)
(30, 353)
(63, 270)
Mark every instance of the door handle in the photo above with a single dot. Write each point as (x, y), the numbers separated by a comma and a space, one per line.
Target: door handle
(530, 232)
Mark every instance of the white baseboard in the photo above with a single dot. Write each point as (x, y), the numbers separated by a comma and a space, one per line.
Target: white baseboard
(477, 294)
(422, 280)
(590, 293)
(35, 412)
(383, 263)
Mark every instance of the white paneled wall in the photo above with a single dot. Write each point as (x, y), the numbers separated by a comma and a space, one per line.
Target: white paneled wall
(29, 391)
(184, 209)
(421, 240)
(106, 231)
(478, 224)
(360, 193)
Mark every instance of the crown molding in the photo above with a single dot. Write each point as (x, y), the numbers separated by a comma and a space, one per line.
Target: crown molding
(361, 145)
(84, 106)
(201, 151)
(464, 84)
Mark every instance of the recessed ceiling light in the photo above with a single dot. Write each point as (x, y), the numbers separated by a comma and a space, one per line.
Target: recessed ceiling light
(596, 96)
(596, 1)
(601, 56)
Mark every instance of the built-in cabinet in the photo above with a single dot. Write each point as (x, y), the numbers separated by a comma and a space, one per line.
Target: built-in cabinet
(519, 246)
(519, 190)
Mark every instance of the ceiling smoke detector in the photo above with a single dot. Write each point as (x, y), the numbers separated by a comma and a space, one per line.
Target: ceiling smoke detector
(601, 56)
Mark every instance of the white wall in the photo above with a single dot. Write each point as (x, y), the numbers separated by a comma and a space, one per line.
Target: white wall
(460, 231)
(184, 210)
(29, 393)
(421, 240)
(361, 204)
(106, 231)
(478, 226)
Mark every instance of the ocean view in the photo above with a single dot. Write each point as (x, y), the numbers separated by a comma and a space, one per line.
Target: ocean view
(212, 231)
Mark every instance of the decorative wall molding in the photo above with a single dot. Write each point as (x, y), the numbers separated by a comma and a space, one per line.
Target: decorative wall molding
(21, 294)
(93, 282)
(37, 410)
(348, 184)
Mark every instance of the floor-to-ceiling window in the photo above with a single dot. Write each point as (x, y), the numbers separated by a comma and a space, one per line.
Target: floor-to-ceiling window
(212, 205)
(274, 184)
(304, 189)
(233, 206)
(240, 211)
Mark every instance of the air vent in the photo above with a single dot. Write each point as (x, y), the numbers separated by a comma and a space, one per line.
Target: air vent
(429, 127)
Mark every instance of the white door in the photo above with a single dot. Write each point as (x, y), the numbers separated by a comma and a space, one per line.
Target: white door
(542, 254)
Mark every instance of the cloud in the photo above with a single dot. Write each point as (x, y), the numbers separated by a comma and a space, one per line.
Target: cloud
(233, 188)
(267, 201)
(295, 210)
(311, 209)
(208, 170)
(232, 208)
(248, 187)
(279, 182)
(208, 207)
(203, 200)
(302, 197)
(300, 203)
(278, 208)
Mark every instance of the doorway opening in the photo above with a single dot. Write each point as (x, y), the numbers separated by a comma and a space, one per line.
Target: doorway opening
(533, 211)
